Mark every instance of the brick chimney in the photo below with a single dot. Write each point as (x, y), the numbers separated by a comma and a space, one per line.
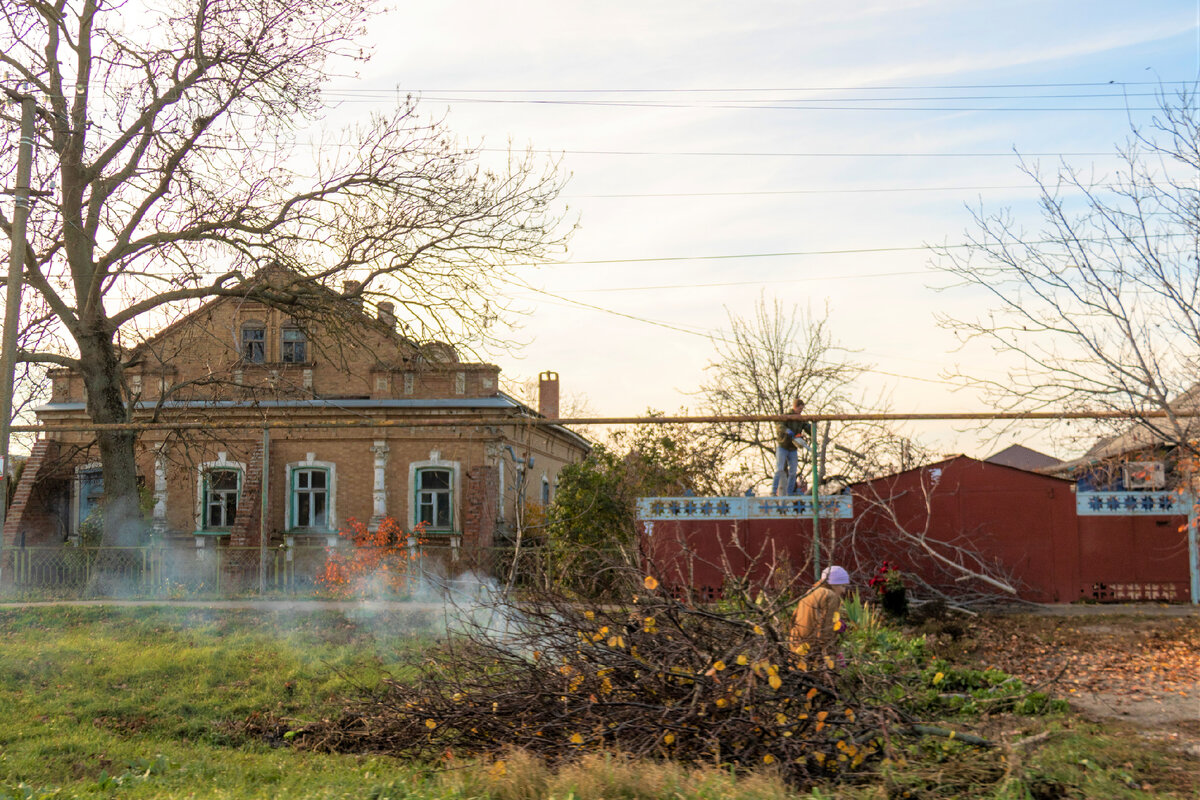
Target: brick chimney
(387, 313)
(548, 395)
(350, 291)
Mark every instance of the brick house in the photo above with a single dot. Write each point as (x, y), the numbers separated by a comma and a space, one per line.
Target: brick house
(434, 439)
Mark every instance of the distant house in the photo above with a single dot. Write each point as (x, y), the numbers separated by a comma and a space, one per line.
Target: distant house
(1146, 456)
(233, 364)
(1021, 457)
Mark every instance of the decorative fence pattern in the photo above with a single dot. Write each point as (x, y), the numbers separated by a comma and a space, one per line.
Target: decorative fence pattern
(838, 506)
(1124, 504)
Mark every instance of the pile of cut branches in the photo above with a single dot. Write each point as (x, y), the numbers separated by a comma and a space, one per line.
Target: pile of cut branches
(651, 677)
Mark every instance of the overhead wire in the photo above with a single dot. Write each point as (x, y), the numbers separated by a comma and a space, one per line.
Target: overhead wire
(709, 335)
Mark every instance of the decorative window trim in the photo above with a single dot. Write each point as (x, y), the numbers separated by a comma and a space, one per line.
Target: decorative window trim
(546, 496)
(436, 461)
(202, 471)
(331, 518)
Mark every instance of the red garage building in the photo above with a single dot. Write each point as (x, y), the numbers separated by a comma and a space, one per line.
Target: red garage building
(946, 524)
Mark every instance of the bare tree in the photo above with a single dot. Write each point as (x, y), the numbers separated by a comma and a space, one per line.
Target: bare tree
(766, 361)
(895, 519)
(175, 143)
(1101, 304)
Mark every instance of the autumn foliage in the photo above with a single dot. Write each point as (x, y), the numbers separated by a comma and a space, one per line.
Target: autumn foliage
(371, 562)
(651, 677)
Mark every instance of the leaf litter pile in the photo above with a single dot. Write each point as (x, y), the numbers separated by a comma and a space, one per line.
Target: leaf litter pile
(652, 677)
(1136, 658)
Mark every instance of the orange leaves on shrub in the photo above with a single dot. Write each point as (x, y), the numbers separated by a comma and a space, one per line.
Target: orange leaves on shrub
(370, 562)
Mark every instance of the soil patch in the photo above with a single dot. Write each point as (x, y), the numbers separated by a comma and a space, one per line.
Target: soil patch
(1144, 671)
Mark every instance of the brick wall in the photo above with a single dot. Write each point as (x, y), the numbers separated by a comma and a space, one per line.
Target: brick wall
(30, 513)
(247, 526)
(481, 498)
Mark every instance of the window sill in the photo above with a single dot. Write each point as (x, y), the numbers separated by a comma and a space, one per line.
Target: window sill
(213, 532)
(275, 364)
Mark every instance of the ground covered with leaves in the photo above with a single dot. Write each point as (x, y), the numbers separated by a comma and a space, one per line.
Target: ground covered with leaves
(1142, 669)
(657, 680)
(168, 702)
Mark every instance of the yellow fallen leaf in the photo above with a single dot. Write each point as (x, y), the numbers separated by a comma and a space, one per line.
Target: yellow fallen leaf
(775, 682)
(576, 738)
(742, 661)
(668, 738)
(430, 724)
(720, 665)
(650, 583)
(938, 678)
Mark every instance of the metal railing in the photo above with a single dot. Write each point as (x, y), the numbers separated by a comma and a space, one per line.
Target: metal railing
(163, 571)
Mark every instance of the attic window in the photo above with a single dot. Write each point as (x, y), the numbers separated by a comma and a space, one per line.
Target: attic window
(254, 343)
(294, 348)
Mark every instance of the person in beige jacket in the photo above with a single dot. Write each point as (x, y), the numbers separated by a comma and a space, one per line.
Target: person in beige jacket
(814, 622)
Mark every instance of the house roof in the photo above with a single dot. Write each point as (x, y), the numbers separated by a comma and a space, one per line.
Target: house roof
(1021, 457)
(498, 402)
(1139, 436)
(958, 459)
(279, 279)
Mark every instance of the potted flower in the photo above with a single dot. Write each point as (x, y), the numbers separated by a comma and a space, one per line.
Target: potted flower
(888, 583)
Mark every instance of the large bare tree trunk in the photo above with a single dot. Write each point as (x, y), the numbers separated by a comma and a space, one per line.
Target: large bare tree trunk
(101, 370)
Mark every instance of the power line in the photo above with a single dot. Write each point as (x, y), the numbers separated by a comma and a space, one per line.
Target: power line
(768, 192)
(737, 154)
(725, 284)
(709, 335)
(773, 107)
(745, 89)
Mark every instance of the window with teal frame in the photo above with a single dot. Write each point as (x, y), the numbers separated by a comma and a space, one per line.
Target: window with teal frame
(435, 499)
(222, 489)
(310, 498)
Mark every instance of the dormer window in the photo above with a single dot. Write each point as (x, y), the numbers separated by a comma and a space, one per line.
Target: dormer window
(293, 346)
(254, 343)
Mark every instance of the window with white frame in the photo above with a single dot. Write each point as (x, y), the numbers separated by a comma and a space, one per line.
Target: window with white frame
(311, 497)
(222, 488)
(434, 500)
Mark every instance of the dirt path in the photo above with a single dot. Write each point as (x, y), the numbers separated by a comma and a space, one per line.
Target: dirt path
(1137, 669)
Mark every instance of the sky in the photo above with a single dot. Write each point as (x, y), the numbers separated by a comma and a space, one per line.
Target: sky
(705, 139)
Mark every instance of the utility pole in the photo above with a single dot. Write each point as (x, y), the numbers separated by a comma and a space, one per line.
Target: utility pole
(816, 498)
(12, 308)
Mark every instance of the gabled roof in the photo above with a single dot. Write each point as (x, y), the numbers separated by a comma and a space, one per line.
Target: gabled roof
(959, 460)
(1021, 457)
(279, 279)
(1139, 437)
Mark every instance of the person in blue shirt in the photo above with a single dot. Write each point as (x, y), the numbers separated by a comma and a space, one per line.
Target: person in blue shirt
(787, 453)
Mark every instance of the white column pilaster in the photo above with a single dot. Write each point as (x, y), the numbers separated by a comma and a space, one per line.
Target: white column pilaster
(379, 495)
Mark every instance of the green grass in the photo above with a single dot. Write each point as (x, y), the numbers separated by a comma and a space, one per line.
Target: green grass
(140, 702)
(146, 702)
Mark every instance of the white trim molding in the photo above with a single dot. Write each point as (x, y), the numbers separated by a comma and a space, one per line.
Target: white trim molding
(331, 518)
(436, 461)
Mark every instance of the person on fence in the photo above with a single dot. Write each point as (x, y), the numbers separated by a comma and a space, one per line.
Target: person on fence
(787, 454)
(815, 623)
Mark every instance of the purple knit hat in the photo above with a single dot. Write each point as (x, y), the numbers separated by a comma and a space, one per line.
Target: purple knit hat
(835, 576)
